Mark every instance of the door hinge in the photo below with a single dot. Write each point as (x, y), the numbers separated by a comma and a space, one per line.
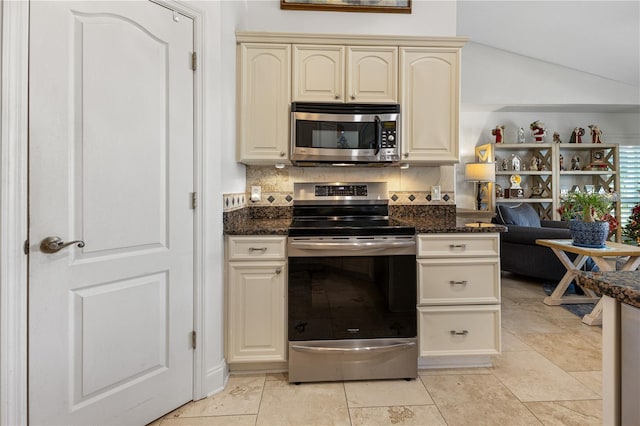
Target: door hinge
(193, 339)
(194, 61)
(194, 200)
(25, 247)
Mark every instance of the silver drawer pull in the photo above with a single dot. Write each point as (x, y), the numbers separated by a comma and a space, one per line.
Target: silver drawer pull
(459, 333)
(260, 249)
(464, 282)
(453, 246)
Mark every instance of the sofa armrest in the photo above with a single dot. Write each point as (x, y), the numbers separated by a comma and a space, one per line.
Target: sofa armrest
(554, 224)
(529, 234)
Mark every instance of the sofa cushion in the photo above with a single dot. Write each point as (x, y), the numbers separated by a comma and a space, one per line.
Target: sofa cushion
(520, 214)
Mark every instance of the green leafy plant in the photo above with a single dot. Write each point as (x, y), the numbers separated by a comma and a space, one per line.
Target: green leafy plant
(586, 206)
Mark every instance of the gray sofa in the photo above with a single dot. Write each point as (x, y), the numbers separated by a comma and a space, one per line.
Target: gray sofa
(519, 252)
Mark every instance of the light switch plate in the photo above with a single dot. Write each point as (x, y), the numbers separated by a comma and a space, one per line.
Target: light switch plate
(256, 193)
(435, 193)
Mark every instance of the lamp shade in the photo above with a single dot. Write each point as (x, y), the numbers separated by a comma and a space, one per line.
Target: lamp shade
(479, 172)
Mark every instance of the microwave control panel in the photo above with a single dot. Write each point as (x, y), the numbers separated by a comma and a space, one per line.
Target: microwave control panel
(388, 135)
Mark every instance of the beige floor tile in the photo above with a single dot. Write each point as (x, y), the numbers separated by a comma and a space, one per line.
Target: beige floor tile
(453, 371)
(240, 396)
(511, 413)
(306, 404)
(246, 420)
(566, 350)
(477, 400)
(461, 389)
(532, 377)
(383, 393)
(424, 415)
(511, 343)
(591, 379)
(589, 333)
(518, 321)
(283, 377)
(577, 413)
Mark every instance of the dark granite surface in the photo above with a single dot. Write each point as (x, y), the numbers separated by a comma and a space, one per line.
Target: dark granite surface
(621, 285)
(276, 220)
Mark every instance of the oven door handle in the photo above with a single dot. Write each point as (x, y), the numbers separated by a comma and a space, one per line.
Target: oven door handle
(328, 349)
(351, 245)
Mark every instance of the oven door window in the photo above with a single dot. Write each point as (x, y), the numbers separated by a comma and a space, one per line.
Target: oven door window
(353, 297)
(336, 135)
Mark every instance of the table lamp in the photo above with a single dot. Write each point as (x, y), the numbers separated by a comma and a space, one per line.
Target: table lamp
(480, 173)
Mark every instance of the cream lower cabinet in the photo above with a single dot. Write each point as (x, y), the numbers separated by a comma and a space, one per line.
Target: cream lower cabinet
(458, 298)
(256, 299)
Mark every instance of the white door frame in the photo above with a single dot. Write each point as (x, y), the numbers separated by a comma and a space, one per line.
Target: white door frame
(14, 18)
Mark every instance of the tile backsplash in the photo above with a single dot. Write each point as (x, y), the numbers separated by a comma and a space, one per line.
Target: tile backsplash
(406, 186)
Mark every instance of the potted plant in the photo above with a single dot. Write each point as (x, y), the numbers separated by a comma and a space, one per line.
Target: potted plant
(589, 216)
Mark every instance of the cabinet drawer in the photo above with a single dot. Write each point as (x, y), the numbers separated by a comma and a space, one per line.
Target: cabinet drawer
(458, 281)
(458, 245)
(459, 330)
(253, 248)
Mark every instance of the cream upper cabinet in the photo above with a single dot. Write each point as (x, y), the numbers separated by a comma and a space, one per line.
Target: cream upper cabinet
(264, 97)
(318, 73)
(430, 103)
(360, 74)
(372, 74)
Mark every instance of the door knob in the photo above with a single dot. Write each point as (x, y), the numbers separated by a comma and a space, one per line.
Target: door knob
(55, 244)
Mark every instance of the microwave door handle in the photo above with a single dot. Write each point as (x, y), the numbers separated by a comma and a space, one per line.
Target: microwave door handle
(378, 133)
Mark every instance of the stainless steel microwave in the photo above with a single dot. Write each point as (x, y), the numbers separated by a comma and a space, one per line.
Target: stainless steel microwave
(345, 134)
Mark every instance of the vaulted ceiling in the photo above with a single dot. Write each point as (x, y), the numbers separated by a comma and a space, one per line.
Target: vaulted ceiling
(601, 38)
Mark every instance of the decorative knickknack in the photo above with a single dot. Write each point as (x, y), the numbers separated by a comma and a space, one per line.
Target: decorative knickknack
(589, 218)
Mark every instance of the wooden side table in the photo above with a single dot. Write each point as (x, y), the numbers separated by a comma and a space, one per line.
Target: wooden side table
(599, 255)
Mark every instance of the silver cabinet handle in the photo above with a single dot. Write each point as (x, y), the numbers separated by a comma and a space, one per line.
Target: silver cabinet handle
(457, 246)
(55, 244)
(260, 249)
(463, 282)
(459, 333)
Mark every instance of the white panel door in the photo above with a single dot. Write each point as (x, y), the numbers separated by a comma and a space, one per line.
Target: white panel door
(111, 164)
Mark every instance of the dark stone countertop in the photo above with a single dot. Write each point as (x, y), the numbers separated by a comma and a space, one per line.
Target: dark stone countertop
(621, 285)
(276, 220)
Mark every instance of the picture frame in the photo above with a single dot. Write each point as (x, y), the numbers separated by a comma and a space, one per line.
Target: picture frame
(374, 6)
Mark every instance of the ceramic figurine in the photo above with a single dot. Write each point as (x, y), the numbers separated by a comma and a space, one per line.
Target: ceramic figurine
(498, 132)
(505, 164)
(515, 162)
(535, 162)
(562, 167)
(556, 137)
(575, 163)
(576, 135)
(538, 131)
(521, 135)
(596, 134)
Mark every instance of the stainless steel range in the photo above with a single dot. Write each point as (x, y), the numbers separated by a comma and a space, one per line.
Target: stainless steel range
(352, 286)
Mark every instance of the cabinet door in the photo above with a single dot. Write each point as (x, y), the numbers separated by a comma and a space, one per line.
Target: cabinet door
(256, 312)
(318, 73)
(430, 102)
(372, 74)
(264, 98)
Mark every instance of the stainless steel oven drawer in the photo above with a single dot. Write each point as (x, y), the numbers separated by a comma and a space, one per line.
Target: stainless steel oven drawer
(352, 359)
